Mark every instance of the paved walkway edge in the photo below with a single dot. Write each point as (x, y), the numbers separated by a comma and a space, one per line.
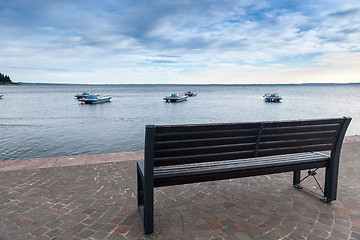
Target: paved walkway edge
(24, 164)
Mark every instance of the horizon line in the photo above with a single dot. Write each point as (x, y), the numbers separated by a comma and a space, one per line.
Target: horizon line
(198, 84)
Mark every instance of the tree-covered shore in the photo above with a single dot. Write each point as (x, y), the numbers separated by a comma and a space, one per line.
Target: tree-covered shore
(5, 79)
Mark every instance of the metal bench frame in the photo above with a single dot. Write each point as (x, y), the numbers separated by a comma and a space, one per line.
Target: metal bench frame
(177, 154)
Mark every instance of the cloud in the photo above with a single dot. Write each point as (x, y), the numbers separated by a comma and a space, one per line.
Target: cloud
(346, 13)
(172, 37)
(163, 61)
(342, 74)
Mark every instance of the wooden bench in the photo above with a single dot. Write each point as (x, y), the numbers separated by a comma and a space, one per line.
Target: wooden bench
(180, 154)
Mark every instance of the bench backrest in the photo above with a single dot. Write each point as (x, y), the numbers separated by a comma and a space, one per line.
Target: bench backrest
(181, 144)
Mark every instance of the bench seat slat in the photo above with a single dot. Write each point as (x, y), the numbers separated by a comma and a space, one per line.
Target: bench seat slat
(228, 168)
(204, 150)
(294, 143)
(202, 158)
(203, 142)
(298, 129)
(304, 122)
(297, 149)
(298, 136)
(205, 134)
(242, 162)
(205, 127)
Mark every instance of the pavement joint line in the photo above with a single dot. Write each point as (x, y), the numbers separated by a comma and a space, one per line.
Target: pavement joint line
(55, 161)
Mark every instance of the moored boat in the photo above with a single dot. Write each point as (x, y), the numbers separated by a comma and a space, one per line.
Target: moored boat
(93, 99)
(272, 97)
(176, 97)
(191, 93)
(1, 96)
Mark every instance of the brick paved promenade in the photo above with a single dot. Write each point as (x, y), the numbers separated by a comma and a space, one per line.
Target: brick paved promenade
(98, 201)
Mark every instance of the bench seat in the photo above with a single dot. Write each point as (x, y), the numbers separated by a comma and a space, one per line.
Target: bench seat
(211, 171)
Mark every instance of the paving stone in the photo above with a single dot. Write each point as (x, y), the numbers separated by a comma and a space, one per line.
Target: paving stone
(115, 236)
(39, 231)
(78, 228)
(42, 237)
(100, 235)
(315, 237)
(85, 234)
(96, 226)
(54, 233)
(340, 235)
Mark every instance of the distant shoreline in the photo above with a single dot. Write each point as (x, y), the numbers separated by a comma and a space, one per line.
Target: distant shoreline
(189, 84)
(13, 83)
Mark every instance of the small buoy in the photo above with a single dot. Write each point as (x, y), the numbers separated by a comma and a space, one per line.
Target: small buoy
(82, 102)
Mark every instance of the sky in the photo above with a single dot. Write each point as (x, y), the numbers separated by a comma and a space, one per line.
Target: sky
(180, 41)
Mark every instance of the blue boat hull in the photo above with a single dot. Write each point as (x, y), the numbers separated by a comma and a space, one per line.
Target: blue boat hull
(273, 99)
(175, 99)
(95, 101)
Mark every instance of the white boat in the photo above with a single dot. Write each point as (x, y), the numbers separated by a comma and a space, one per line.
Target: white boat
(176, 97)
(93, 99)
(272, 97)
(191, 93)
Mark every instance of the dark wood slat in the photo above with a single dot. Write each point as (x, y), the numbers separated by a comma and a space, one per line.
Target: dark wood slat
(204, 150)
(243, 125)
(304, 122)
(204, 127)
(298, 149)
(202, 158)
(205, 134)
(204, 142)
(299, 136)
(299, 129)
(295, 143)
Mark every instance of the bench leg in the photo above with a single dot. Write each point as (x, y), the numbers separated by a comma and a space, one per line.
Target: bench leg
(140, 192)
(331, 182)
(148, 209)
(296, 178)
(297, 183)
(145, 196)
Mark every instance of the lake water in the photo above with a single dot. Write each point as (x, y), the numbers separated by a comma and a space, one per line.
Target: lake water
(39, 121)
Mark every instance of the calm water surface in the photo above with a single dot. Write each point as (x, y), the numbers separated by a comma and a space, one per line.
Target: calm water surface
(47, 121)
